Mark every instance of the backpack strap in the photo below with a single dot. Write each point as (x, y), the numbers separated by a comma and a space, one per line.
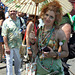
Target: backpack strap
(21, 24)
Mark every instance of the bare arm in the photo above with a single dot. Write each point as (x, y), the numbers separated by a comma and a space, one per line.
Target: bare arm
(30, 37)
(64, 52)
(1, 21)
(29, 28)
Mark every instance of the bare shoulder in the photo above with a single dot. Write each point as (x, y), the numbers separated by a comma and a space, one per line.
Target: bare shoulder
(59, 31)
(66, 26)
(60, 34)
(30, 22)
(67, 30)
(30, 25)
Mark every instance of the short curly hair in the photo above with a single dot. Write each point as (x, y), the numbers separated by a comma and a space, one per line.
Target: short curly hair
(53, 6)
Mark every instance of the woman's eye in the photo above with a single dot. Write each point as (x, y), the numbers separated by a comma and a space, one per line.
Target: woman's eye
(51, 17)
(46, 14)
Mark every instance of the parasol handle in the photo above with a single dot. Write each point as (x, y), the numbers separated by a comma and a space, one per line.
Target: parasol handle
(35, 13)
(35, 19)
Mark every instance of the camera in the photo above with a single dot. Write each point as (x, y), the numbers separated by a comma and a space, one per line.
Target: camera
(46, 49)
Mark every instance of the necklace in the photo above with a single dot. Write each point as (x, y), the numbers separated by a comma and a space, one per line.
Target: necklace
(42, 38)
(47, 38)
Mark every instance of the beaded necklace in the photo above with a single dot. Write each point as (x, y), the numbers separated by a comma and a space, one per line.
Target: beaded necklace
(47, 38)
(42, 38)
(53, 41)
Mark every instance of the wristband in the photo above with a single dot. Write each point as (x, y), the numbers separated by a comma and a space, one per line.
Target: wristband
(28, 48)
(58, 54)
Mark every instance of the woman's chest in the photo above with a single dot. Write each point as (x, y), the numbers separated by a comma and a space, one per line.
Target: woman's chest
(49, 39)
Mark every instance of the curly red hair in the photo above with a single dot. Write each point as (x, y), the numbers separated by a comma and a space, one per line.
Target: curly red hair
(53, 6)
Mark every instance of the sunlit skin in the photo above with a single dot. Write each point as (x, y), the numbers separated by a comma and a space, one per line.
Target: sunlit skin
(13, 14)
(49, 18)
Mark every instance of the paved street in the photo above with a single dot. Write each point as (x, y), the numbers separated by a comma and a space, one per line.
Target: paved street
(3, 67)
(72, 67)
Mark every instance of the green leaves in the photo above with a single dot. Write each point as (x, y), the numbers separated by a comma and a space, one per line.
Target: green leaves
(63, 41)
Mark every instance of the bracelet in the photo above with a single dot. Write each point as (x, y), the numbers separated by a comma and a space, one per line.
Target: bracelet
(28, 48)
(58, 54)
(32, 43)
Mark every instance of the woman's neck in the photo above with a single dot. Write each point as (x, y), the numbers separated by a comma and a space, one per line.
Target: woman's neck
(46, 28)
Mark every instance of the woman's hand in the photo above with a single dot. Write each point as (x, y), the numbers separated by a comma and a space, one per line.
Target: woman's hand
(29, 52)
(50, 48)
(46, 54)
(50, 54)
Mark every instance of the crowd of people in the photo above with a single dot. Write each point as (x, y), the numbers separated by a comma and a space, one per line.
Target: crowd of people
(45, 47)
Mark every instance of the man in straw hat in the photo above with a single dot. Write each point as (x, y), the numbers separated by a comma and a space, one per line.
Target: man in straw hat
(13, 40)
